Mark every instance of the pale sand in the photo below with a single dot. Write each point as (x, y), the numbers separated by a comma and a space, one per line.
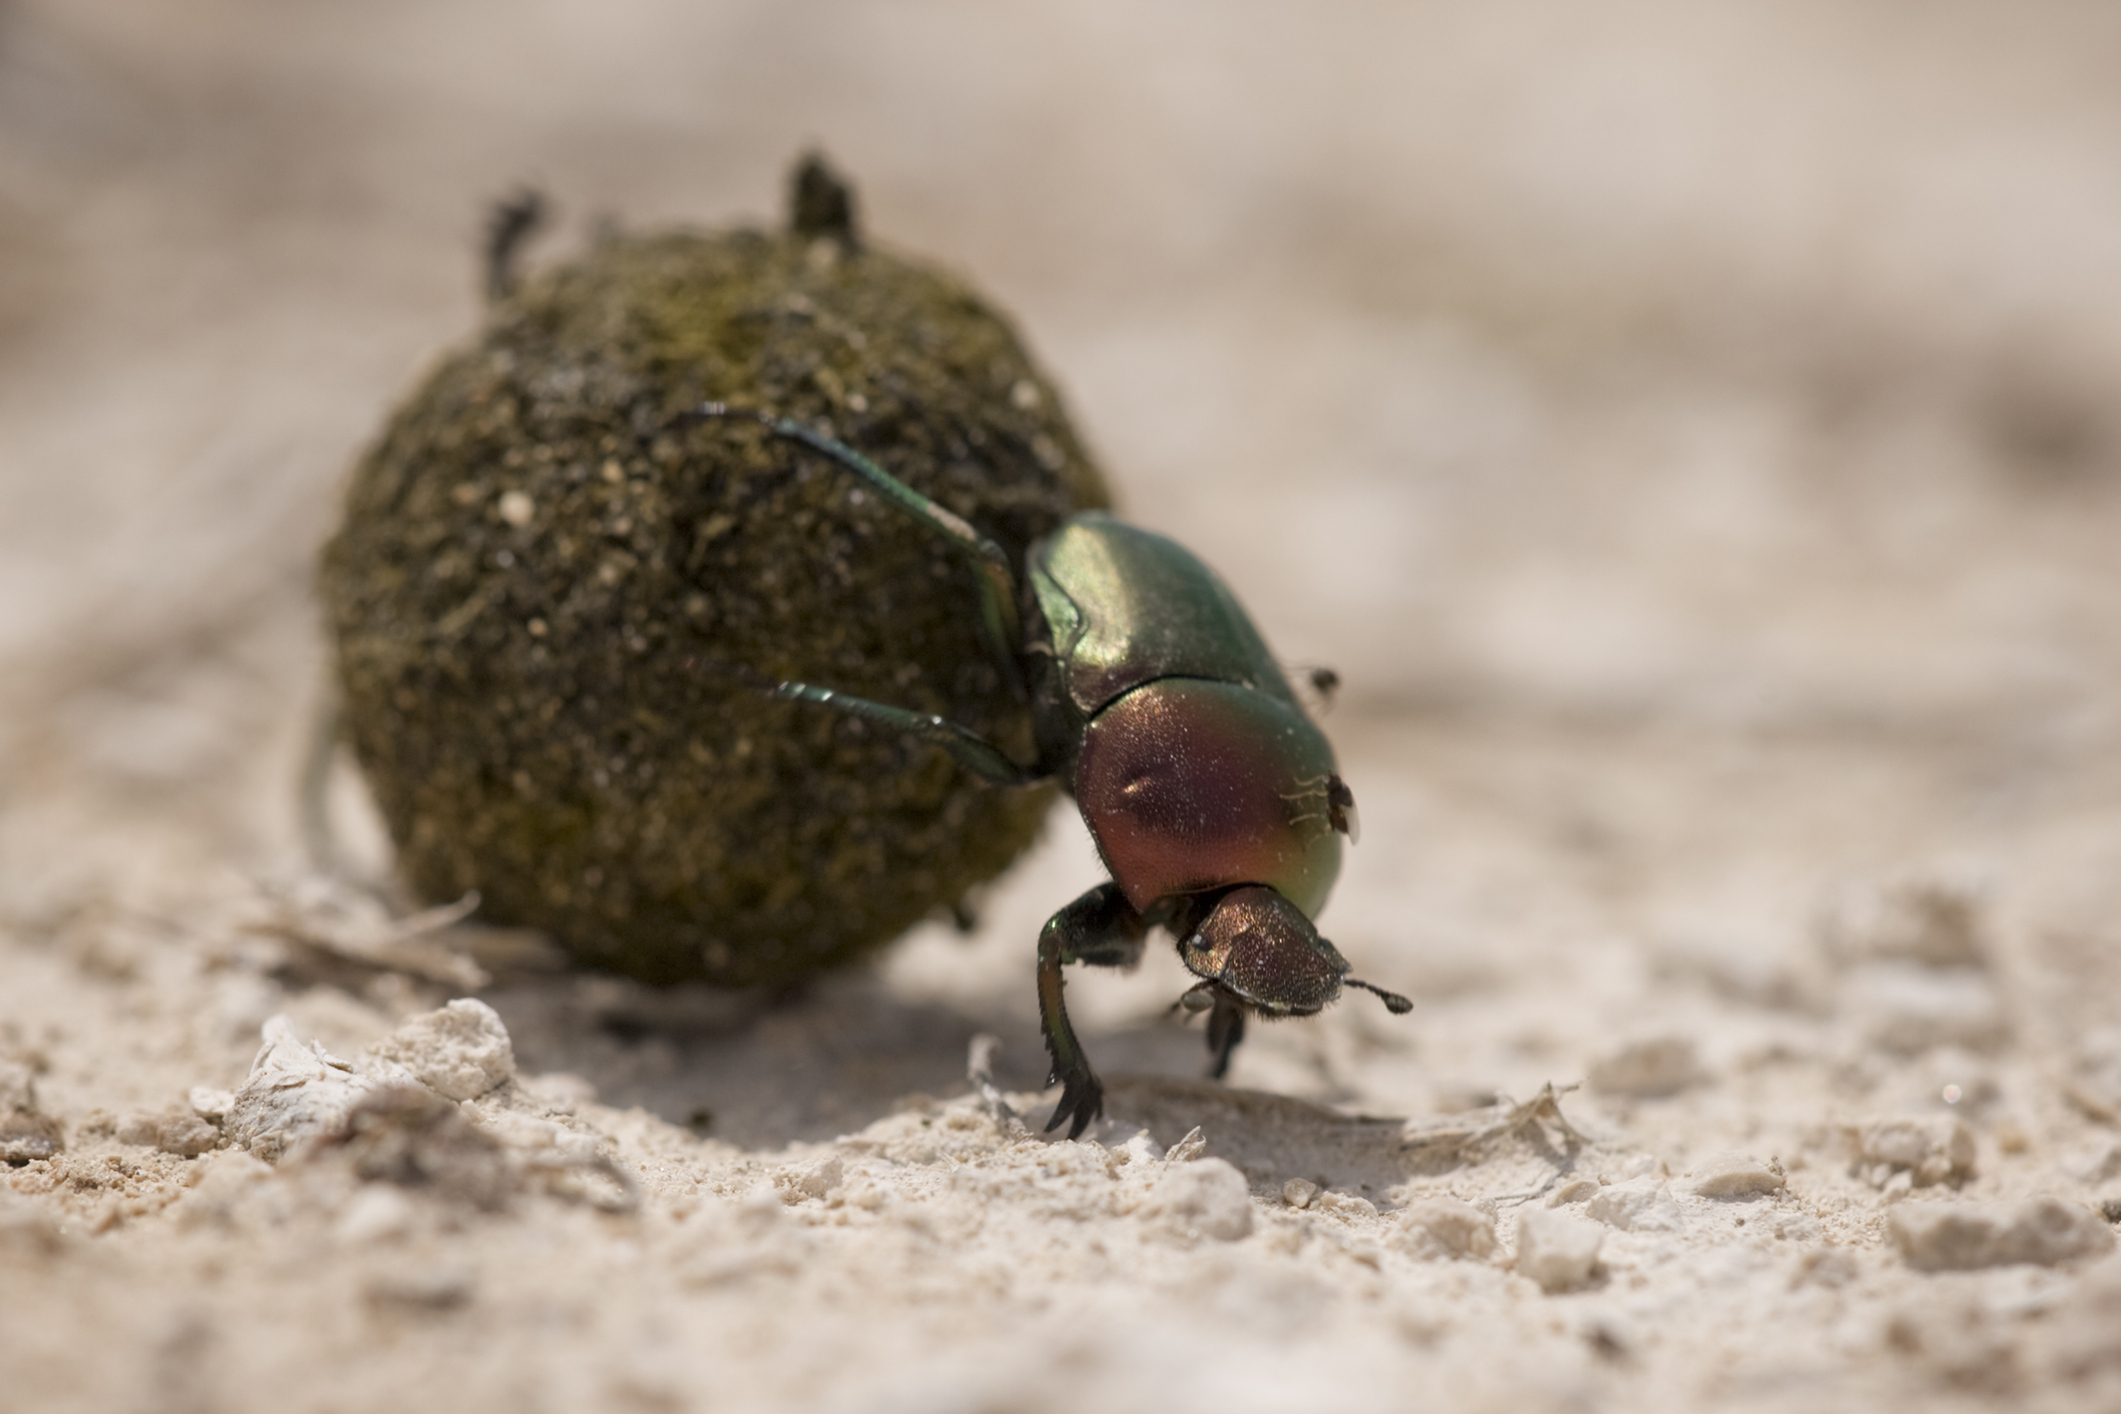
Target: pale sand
(1691, 438)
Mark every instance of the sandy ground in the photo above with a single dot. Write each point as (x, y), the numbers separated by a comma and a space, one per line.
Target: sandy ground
(1689, 432)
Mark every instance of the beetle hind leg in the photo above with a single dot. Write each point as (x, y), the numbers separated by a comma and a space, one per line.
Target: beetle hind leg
(1100, 929)
(1000, 624)
(963, 745)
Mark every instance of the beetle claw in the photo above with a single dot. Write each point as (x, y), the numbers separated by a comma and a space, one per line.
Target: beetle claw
(1083, 1098)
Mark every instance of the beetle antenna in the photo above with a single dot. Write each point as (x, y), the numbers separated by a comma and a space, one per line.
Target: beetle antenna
(1394, 1003)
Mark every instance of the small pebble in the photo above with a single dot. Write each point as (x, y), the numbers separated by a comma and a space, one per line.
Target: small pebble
(1930, 1149)
(1205, 1198)
(1947, 1237)
(1637, 1205)
(1348, 1205)
(1435, 1229)
(1733, 1175)
(26, 1132)
(296, 1092)
(460, 1052)
(1574, 1190)
(1187, 1149)
(797, 1182)
(173, 1130)
(1558, 1250)
(517, 508)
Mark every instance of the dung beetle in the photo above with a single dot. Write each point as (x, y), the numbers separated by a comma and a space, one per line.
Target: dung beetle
(1213, 799)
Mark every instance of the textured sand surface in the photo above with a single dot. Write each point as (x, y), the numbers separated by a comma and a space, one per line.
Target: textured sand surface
(1691, 436)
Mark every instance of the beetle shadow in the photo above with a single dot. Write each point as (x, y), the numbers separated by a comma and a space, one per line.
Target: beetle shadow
(763, 1070)
(1274, 1138)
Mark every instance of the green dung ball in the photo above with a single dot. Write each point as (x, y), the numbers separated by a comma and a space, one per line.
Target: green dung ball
(554, 592)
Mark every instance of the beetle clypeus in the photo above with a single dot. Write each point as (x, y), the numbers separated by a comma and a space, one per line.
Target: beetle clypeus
(1213, 799)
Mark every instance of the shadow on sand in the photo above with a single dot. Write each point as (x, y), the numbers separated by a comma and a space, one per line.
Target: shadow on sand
(761, 1071)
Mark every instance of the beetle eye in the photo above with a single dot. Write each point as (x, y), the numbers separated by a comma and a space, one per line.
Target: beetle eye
(1340, 809)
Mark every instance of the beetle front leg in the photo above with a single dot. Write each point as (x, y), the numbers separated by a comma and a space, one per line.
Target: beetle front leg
(1103, 930)
(1226, 1027)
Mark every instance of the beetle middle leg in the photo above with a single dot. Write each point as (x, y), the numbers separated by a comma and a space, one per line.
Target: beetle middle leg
(1103, 930)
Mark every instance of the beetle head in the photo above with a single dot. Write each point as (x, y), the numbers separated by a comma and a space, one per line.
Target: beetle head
(1259, 949)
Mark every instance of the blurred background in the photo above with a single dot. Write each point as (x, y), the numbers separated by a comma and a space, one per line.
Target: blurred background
(1690, 431)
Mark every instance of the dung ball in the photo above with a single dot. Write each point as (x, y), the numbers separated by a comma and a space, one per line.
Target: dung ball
(554, 591)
